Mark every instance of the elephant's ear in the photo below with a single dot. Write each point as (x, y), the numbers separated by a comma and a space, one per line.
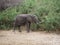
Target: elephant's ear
(36, 19)
(29, 19)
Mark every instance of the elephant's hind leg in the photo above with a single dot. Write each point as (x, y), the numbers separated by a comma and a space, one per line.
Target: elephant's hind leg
(14, 28)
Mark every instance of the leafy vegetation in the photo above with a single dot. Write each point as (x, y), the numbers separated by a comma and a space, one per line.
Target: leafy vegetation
(47, 11)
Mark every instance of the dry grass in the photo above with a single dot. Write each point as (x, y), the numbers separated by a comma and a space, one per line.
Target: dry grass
(32, 38)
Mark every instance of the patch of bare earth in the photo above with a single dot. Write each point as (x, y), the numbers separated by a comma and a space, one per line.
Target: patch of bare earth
(32, 38)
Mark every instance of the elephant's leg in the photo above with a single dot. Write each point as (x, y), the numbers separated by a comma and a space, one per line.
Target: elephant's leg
(19, 28)
(28, 27)
(14, 28)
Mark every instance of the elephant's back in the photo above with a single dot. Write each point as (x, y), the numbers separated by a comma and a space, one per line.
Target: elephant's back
(24, 15)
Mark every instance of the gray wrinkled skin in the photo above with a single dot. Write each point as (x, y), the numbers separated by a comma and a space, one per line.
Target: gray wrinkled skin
(25, 19)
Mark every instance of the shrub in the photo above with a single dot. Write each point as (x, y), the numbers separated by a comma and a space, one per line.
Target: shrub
(7, 17)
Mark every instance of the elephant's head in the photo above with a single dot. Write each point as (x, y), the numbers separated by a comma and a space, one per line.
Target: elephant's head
(35, 19)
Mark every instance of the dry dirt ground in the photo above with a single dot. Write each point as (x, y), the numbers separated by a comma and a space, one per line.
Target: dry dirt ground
(32, 38)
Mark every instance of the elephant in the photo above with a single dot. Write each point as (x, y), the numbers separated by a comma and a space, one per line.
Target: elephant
(25, 19)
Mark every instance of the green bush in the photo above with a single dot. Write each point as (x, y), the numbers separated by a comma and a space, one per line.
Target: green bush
(7, 17)
(52, 22)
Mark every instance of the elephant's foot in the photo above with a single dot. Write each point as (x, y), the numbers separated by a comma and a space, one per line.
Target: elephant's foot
(20, 31)
(28, 31)
(13, 30)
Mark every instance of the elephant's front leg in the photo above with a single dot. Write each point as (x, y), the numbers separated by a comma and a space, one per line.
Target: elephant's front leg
(19, 28)
(28, 27)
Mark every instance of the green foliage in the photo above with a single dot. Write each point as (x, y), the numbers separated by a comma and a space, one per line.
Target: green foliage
(47, 11)
(7, 17)
(51, 22)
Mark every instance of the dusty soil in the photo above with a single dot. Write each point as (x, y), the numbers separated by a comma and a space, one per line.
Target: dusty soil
(32, 38)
